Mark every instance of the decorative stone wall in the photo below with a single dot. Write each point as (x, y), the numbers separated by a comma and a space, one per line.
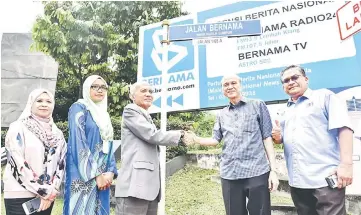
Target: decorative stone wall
(211, 161)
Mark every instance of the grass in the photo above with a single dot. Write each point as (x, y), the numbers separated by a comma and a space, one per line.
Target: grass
(277, 199)
(58, 207)
(2, 204)
(2, 170)
(190, 191)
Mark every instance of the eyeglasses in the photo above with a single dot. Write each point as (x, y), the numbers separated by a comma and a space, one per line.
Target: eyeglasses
(98, 87)
(293, 78)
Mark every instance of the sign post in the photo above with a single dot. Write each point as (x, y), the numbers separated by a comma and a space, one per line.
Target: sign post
(163, 114)
(190, 32)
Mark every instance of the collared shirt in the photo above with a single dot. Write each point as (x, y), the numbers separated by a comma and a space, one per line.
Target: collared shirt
(243, 127)
(309, 129)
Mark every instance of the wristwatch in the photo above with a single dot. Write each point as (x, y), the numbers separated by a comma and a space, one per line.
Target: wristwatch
(182, 134)
(181, 143)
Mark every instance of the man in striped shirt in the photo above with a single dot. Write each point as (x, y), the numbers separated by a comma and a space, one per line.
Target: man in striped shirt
(247, 161)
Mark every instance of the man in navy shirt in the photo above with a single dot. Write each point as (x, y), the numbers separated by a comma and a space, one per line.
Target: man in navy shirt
(248, 161)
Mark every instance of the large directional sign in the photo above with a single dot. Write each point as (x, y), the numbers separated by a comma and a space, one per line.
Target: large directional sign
(170, 101)
(304, 33)
(182, 75)
(219, 29)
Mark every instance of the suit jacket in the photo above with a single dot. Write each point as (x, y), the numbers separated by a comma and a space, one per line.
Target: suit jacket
(139, 175)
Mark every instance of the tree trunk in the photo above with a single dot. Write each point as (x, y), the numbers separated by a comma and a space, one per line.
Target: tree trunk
(80, 92)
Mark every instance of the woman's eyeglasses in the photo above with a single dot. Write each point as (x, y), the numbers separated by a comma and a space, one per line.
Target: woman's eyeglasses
(98, 87)
(293, 78)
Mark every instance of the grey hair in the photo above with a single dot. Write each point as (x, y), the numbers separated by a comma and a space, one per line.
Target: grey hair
(134, 87)
(231, 76)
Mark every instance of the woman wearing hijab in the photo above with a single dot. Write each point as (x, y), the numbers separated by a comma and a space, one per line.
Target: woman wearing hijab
(36, 156)
(91, 164)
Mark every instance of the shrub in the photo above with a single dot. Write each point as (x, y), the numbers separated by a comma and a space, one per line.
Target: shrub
(63, 126)
(204, 128)
(3, 134)
(117, 125)
(116, 122)
(175, 123)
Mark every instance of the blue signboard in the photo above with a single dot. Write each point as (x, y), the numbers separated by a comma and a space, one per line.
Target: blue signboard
(181, 65)
(219, 29)
(304, 34)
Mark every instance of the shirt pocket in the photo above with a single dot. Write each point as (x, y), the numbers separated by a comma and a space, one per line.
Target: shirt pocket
(312, 116)
(227, 125)
(249, 123)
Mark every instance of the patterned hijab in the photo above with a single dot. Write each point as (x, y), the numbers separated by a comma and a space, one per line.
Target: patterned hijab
(44, 128)
(98, 110)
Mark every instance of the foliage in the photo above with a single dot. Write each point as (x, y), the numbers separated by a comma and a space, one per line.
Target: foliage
(117, 125)
(3, 134)
(63, 126)
(278, 147)
(189, 116)
(175, 123)
(201, 122)
(116, 122)
(101, 38)
(204, 125)
(204, 128)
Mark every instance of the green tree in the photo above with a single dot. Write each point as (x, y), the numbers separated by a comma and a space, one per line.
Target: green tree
(88, 38)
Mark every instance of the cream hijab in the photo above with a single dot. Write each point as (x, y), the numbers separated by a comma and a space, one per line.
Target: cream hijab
(45, 129)
(32, 97)
(98, 110)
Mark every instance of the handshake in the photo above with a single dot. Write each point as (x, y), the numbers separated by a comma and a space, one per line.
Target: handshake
(188, 138)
